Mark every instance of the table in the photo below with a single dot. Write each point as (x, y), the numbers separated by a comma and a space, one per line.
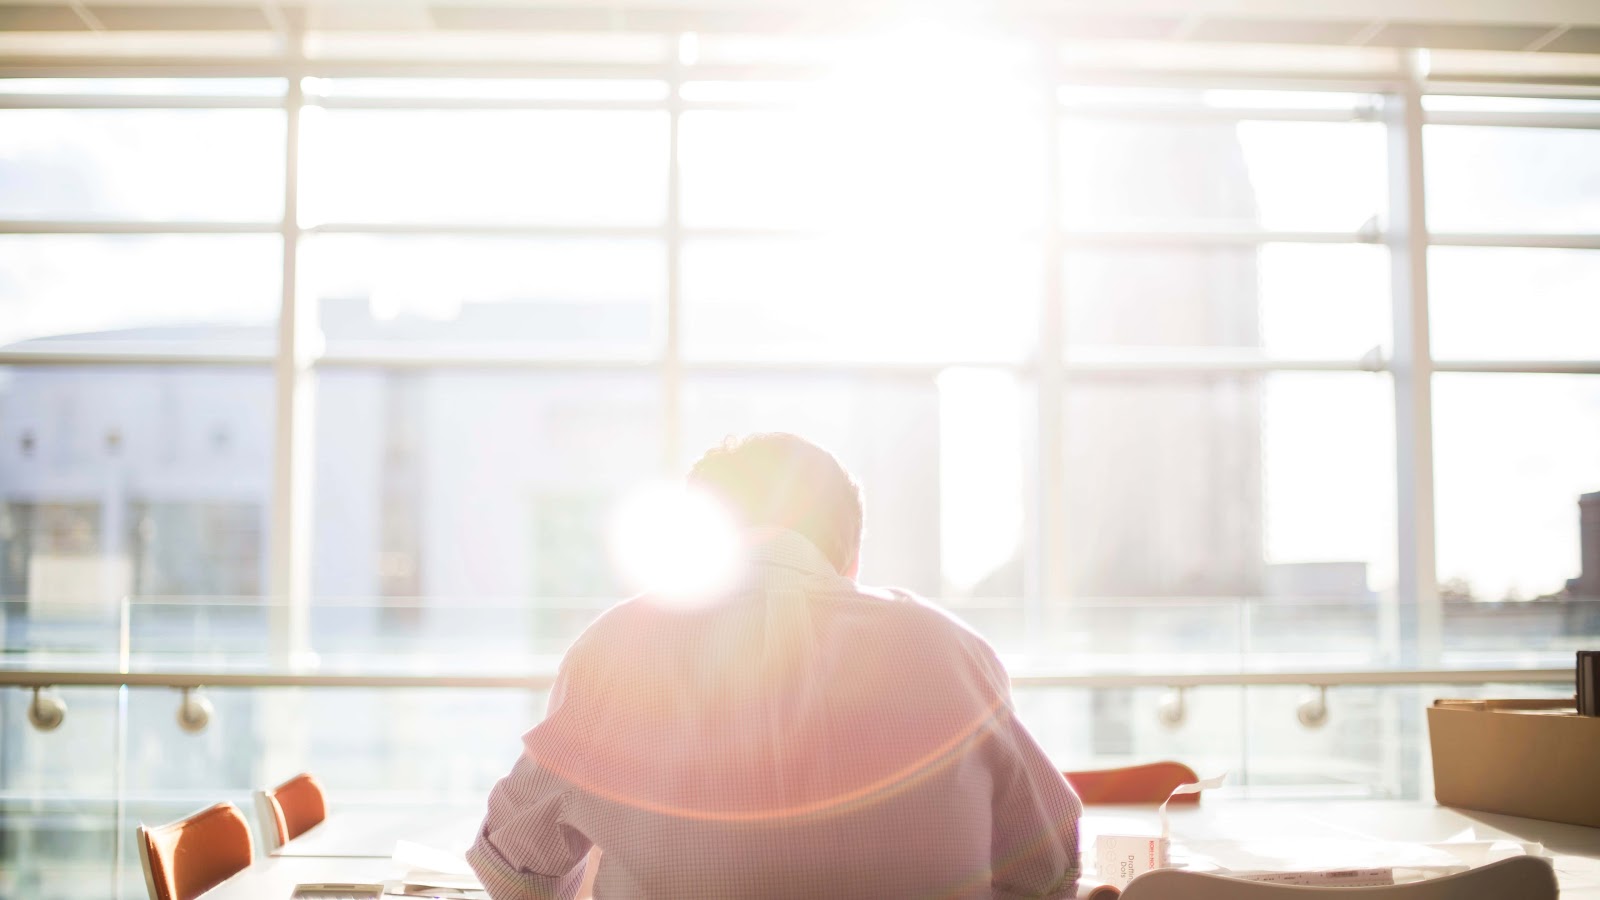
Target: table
(274, 877)
(1576, 850)
(372, 832)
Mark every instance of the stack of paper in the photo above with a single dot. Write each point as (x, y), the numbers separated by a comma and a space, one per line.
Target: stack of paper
(1328, 863)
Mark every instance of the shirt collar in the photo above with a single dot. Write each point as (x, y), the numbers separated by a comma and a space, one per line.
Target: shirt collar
(780, 548)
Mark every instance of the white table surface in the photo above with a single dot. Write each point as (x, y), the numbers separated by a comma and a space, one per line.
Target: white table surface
(1575, 849)
(1217, 823)
(372, 832)
(274, 877)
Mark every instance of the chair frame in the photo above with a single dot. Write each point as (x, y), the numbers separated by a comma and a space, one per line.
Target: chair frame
(266, 821)
(144, 862)
(269, 810)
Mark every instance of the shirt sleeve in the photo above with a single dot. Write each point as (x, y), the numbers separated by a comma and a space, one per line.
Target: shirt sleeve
(525, 850)
(1034, 845)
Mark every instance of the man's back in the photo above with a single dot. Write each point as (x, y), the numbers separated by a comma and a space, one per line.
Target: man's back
(797, 738)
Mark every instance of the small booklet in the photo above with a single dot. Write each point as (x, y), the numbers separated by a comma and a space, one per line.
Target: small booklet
(329, 891)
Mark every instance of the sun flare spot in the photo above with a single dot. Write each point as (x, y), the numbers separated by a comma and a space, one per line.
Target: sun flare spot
(676, 543)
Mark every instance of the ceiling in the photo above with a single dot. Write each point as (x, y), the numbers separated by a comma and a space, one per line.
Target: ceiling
(1555, 41)
(1552, 26)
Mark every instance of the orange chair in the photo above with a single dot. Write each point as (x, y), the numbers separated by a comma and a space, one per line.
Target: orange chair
(290, 809)
(1148, 783)
(191, 856)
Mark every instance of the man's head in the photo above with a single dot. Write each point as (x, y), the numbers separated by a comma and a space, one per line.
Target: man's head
(782, 481)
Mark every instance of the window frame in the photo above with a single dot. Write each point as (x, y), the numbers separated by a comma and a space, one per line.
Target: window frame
(295, 360)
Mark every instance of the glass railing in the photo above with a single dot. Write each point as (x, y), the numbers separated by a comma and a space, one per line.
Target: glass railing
(517, 635)
(1101, 687)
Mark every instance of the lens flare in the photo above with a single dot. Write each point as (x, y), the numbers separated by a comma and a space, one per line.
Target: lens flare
(676, 543)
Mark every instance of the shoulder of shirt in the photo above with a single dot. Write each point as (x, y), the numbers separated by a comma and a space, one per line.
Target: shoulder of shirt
(907, 611)
(930, 618)
(627, 615)
(615, 619)
(943, 633)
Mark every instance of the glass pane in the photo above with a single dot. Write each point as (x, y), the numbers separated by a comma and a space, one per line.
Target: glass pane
(547, 167)
(1277, 486)
(438, 486)
(145, 164)
(206, 292)
(920, 449)
(847, 300)
(1514, 303)
(752, 168)
(1110, 727)
(1291, 300)
(1268, 174)
(57, 798)
(1369, 746)
(563, 297)
(1490, 632)
(128, 482)
(1514, 453)
(1512, 179)
(881, 157)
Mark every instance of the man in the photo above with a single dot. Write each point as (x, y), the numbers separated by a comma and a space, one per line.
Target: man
(796, 735)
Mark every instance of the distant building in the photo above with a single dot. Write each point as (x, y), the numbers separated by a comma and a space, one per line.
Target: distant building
(1587, 584)
(1164, 476)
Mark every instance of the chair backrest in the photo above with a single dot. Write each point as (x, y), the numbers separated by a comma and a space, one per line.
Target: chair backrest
(1522, 877)
(290, 809)
(185, 859)
(1148, 783)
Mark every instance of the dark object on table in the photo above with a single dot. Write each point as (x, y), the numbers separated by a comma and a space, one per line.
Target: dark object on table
(1589, 682)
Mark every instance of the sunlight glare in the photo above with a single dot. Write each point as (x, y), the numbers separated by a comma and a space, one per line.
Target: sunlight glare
(980, 473)
(900, 112)
(675, 543)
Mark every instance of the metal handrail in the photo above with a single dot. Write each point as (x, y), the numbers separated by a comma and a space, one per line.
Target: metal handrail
(543, 680)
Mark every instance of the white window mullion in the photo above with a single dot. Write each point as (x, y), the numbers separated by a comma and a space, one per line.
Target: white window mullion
(1416, 586)
(672, 332)
(289, 542)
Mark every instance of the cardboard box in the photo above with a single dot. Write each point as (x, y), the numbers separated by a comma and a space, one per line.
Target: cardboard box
(1533, 758)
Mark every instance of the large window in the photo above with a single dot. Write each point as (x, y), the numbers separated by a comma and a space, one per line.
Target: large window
(1131, 377)
(521, 299)
(1512, 283)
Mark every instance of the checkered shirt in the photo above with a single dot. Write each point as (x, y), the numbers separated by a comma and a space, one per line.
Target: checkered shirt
(803, 737)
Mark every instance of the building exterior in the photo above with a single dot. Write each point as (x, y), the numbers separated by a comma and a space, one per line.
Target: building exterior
(1587, 584)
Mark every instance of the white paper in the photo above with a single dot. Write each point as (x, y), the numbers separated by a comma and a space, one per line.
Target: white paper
(1481, 853)
(1204, 784)
(424, 865)
(440, 880)
(410, 855)
(1408, 861)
